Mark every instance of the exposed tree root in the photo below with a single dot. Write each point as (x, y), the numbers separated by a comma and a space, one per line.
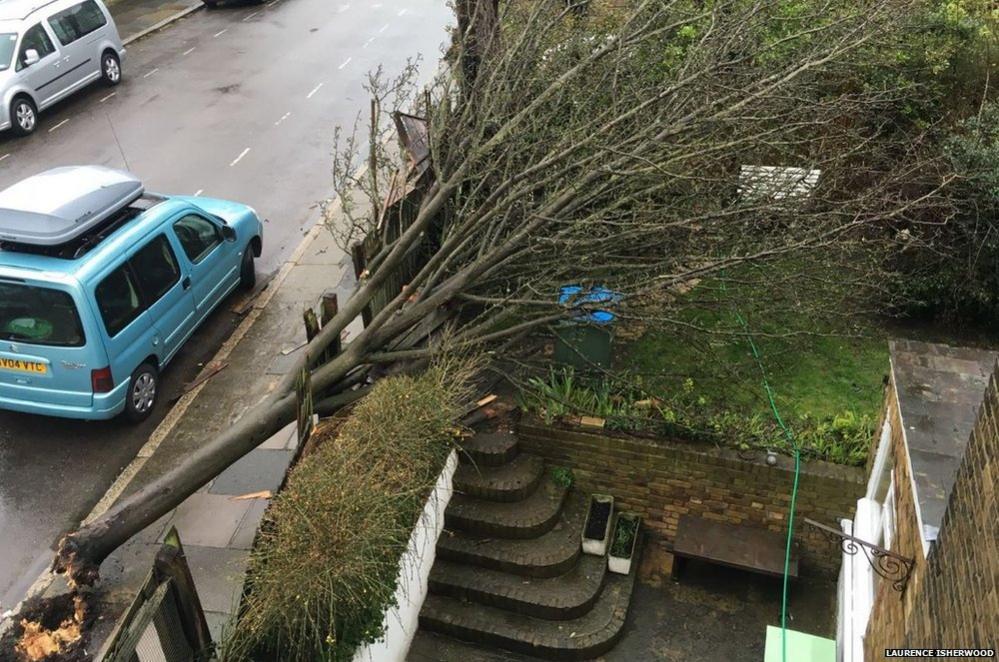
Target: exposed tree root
(50, 630)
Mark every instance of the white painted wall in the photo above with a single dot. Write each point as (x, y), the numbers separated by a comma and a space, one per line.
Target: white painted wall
(401, 622)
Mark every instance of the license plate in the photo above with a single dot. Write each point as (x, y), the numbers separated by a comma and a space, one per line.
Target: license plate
(17, 365)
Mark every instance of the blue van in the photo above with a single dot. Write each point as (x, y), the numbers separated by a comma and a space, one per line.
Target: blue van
(101, 283)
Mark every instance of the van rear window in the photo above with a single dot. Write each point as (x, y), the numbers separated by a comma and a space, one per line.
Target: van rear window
(38, 316)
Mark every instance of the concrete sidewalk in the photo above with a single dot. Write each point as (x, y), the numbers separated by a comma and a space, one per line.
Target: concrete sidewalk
(217, 529)
(137, 17)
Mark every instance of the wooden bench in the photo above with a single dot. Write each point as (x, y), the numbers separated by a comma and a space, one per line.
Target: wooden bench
(736, 546)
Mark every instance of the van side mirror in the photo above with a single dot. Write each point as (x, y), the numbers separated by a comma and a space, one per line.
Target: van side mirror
(30, 57)
(228, 233)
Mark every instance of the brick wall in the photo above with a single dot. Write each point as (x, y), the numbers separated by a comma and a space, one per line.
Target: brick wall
(663, 480)
(952, 599)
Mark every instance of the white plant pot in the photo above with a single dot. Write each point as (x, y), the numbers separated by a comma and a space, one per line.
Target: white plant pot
(619, 564)
(595, 546)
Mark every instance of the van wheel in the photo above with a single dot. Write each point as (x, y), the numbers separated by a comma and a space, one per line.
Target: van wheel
(142, 390)
(247, 270)
(110, 68)
(23, 116)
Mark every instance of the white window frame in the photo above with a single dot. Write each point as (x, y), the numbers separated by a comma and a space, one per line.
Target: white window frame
(880, 459)
(888, 514)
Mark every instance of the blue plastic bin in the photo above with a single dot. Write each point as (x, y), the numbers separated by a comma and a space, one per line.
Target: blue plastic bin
(584, 341)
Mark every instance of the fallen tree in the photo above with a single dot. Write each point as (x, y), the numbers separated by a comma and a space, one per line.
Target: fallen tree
(606, 153)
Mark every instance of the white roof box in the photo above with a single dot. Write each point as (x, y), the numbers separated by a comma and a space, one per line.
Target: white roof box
(59, 205)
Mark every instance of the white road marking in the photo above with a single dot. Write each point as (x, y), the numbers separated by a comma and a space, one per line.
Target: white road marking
(283, 118)
(4, 156)
(342, 9)
(189, 50)
(314, 90)
(384, 28)
(58, 125)
(221, 32)
(151, 73)
(108, 97)
(251, 16)
(345, 62)
(240, 157)
(402, 12)
(198, 192)
(271, 3)
(368, 42)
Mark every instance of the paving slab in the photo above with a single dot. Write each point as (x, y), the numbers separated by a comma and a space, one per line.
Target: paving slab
(256, 471)
(209, 520)
(246, 533)
(282, 440)
(218, 622)
(307, 282)
(218, 574)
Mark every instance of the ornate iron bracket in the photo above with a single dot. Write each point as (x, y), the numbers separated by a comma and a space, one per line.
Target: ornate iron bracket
(887, 564)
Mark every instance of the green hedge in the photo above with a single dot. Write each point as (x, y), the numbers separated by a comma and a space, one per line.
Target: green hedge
(324, 569)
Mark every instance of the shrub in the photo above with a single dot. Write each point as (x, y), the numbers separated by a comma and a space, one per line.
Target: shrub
(951, 270)
(562, 476)
(843, 438)
(324, 569)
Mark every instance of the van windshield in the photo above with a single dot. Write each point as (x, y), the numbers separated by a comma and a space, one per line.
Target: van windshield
(38, 316)
(8, 41)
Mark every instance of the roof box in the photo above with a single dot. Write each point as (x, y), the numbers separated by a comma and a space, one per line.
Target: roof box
(59, 205)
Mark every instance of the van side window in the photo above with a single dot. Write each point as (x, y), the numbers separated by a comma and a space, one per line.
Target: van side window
(198, 236)
(118, 300)
(77, 21)
(155, 267)
(35, 38)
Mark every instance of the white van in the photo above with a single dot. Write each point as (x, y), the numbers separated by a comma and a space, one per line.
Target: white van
(50, 49)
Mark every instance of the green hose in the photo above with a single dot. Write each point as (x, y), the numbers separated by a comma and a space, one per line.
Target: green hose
(794, 489)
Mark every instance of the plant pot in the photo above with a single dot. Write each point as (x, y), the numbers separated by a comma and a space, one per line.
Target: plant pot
(596, 530)
(622, 552)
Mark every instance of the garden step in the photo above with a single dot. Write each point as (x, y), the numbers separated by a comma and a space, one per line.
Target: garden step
(529, 518)
(548, 555)
(489, 449)
(590, 635)
(556, 598)
(514, 481)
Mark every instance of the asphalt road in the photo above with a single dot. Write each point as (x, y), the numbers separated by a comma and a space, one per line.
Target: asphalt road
(236, 103)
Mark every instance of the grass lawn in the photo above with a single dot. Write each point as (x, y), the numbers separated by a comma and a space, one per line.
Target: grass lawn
(826, 371)
(819, 376)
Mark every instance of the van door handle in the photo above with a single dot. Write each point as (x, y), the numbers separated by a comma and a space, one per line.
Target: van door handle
(186, 283)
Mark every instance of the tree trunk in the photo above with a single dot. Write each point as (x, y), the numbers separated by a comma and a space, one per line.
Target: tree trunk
(478, 27)
(81, 553)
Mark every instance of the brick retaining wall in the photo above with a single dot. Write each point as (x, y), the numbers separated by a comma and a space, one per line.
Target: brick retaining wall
(662, 480)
